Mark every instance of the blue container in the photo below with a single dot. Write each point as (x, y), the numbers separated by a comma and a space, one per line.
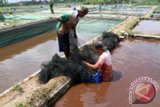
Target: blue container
(95, 78)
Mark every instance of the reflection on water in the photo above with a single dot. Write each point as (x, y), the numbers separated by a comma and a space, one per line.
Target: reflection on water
(24, 58)
(133, 59)
(17, 48)
(21, 59)
(95, 25)
(87, 29)
(85, 95)
(148, 26)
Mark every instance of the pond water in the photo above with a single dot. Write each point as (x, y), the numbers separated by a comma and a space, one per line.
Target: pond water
(120, 9)
(87, 29)
(156, 15)
(120, 12)
(21, 59)
(148, 26)
(125, 7)
(131, 60)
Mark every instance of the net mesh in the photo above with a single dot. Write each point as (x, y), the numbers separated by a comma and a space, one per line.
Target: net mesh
(73, 66)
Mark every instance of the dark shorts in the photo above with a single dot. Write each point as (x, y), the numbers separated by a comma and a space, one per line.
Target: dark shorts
(63, 42)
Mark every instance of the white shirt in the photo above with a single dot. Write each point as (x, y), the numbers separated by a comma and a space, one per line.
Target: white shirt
(105, 64)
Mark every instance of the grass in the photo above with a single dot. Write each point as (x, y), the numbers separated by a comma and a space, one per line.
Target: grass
(147, 3)
(18, 88)
(22, 8)
(22, 105)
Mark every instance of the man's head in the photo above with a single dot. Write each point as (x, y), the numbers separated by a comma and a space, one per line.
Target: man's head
(82, 11)
(100, 47)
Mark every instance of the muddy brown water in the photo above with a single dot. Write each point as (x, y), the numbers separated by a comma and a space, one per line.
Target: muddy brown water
(131, 60)
(148, 26)
(22, 59)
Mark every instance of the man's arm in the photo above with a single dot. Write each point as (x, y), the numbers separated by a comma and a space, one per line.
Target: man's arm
(92, 66)
(63, 18)
(95, 66)
(59, 19)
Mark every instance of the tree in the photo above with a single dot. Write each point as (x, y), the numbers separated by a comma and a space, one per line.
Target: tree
(97, 1)
(45, 1)
(33, 1)
(3, 2)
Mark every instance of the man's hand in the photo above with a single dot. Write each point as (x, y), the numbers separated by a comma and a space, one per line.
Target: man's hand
(85, 62)
(92, 66)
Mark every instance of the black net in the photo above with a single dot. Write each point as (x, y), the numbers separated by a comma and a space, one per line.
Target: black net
(88, 54)
(73, 67)
(61, 66)
(74, 49)
(110, 40)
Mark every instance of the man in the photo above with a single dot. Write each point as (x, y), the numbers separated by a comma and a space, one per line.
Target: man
(51, 3)
(65, 24)
(104, 62)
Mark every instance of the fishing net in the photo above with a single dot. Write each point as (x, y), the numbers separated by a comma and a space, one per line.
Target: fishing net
(73, 66)
(110, 40)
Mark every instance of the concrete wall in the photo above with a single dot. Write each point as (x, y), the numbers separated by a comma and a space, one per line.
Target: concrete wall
(14, 34)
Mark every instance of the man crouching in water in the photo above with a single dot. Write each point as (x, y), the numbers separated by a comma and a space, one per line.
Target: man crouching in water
(104, 62)
(63, 27)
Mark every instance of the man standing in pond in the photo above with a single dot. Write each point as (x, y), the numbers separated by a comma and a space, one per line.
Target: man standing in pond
(65, 24)
(104, 62)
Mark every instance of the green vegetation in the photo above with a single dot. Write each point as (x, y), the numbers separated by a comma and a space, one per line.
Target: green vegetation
(34, 5)
(21, 105)
(100, 1)
(18, 88)
(140, 2)
(34, 2)
(3, 2)
(147, 2)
